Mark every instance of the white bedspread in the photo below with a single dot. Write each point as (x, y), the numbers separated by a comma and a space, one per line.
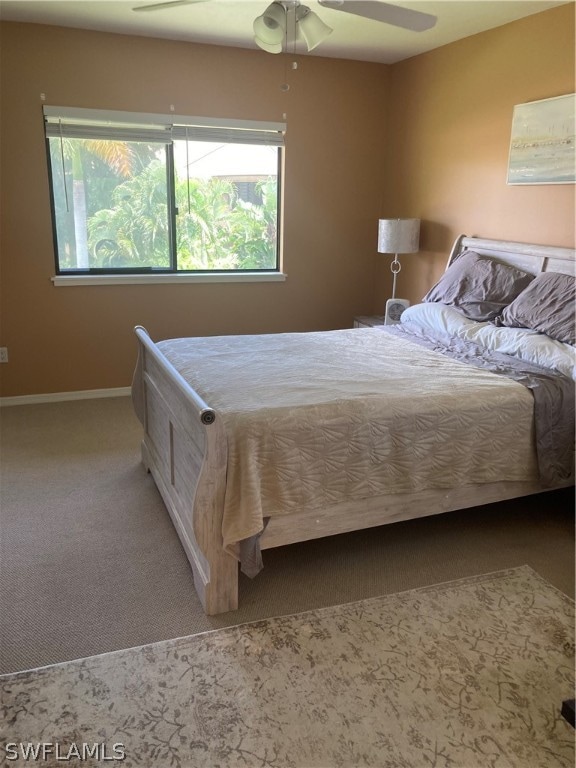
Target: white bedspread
(316, 419)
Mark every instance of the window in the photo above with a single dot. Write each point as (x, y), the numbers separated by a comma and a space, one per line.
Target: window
(142, 194)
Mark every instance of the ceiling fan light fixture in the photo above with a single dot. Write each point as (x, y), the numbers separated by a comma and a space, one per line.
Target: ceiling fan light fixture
(269, 47)
(270, 27)
(310, 25)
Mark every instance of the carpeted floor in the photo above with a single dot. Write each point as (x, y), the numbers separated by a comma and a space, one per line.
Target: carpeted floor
(467, 674)
(90, 562)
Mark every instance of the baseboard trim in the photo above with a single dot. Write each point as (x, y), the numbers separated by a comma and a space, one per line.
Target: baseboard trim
(59, 397)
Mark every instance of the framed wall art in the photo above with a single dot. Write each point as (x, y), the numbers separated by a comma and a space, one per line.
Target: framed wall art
(542, 144)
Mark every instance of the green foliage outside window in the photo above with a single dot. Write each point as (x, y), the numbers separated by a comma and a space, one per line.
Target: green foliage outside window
(115, 212)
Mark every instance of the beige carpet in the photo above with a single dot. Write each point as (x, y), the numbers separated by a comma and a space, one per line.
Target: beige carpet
(467, 674)
(90, 562)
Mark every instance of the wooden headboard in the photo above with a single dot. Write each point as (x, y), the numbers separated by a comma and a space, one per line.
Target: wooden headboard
(527, 256)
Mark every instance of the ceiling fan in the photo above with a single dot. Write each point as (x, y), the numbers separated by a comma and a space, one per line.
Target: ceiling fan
(271, 27)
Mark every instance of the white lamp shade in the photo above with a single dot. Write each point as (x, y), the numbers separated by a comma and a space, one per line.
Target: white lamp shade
(312, 28)
(398, 235)
(270, 28)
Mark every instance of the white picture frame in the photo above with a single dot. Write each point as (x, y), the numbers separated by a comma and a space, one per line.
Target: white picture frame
(543, 142)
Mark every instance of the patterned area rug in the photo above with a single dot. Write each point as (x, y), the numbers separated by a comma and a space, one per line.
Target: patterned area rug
(467, 674)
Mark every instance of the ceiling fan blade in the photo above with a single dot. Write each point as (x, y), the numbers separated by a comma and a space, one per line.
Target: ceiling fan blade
(416, 21)
(168, 4)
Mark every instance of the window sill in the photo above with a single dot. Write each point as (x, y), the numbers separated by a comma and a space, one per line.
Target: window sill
(199, 277)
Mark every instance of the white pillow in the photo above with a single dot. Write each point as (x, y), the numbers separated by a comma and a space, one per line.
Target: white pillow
(434, 316)
(525, 344)
(528, 345)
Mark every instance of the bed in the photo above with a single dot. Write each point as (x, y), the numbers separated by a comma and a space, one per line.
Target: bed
(260, 441)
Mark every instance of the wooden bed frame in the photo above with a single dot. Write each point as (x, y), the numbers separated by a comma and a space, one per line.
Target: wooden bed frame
(184, 447)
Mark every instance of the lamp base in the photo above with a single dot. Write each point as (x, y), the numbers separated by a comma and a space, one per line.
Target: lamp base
(394, 310)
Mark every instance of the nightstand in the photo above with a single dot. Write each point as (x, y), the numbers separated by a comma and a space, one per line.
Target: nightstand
(368, 321)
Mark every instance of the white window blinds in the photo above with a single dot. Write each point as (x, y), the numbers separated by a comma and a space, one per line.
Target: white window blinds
(77, 123)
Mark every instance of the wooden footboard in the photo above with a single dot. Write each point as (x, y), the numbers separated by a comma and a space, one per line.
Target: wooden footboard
(184, 447)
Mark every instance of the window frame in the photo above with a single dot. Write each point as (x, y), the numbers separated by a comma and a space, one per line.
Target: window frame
(164, 129)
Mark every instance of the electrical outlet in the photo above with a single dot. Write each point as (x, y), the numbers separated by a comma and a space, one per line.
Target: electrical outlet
(3, 354)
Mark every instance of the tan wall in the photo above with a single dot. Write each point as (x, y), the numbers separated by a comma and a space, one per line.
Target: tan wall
(427, 137)
(67, 339)
(451, 114)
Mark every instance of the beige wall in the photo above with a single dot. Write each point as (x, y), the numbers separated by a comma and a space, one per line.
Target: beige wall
(451, 113)
(67, 339)
(427, 137)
